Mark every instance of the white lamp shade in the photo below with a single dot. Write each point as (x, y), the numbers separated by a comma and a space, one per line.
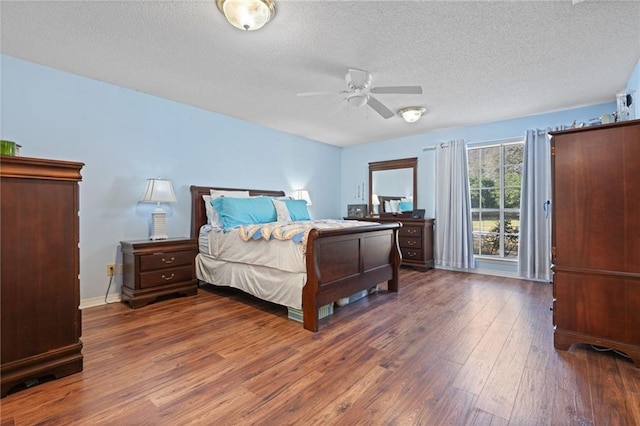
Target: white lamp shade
(247, 15)
(302, 194)
(375, 200)
(159, 191)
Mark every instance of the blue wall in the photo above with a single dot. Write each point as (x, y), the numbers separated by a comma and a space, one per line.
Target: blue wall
(125, 137)
(356, 159)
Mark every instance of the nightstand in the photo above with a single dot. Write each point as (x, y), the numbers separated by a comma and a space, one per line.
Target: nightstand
(158, 268)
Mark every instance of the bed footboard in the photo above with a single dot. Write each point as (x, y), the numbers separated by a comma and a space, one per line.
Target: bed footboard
(345, 261)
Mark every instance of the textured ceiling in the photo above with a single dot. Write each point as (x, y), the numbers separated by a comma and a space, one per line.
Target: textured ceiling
(476, 61)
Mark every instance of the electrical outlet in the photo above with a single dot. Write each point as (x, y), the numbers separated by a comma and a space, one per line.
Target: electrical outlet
(111, 269)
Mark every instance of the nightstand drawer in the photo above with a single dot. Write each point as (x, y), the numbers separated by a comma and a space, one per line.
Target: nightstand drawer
(172, 259)
(410, 231)
(411, 254)
(166, 276)
(412, 243)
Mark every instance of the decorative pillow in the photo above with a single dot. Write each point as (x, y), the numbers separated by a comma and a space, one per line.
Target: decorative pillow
(298, 209)
(406, 206)
(236, 194)
(281, 210)
(212, 213)
(234, 212)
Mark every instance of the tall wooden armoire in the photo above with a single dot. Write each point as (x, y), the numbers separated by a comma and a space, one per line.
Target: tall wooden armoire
(40, 293)
(596, 237)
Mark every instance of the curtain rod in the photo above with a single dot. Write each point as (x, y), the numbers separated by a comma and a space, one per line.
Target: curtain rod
(511, 139)
(444, 145)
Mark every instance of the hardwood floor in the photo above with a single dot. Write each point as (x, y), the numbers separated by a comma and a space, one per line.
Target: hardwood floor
(449, 348)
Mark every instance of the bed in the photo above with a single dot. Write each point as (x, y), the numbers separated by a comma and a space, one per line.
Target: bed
(337, 262)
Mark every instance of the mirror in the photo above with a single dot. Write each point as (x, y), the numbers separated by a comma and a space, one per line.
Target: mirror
(393, 181)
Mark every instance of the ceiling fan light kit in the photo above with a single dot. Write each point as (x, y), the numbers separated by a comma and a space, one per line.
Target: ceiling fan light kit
(248, 15)
(357, 99)
(412, 114)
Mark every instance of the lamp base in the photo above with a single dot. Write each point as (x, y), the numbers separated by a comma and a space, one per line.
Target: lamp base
(158, 225)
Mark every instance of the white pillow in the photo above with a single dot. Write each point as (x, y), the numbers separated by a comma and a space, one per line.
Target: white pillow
(212, 214)
(235, 194)
(281, 211)
(209, 208)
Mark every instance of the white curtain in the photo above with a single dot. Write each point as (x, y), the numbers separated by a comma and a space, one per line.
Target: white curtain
(454, 237)
(534, 245)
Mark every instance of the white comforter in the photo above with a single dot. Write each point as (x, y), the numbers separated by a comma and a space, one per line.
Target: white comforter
(272, 270)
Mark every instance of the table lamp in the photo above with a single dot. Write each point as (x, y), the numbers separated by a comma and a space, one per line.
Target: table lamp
(302, 194)
(158, 191)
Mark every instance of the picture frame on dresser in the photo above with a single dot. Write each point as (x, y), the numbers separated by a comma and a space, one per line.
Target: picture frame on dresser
(357, 210)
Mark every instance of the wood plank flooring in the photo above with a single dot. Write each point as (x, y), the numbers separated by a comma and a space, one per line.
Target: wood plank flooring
(449, 348)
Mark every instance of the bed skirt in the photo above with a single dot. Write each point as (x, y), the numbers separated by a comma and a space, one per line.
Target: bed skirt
(270, 284)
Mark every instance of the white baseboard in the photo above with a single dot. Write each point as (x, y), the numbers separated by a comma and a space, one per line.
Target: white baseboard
(98, 301)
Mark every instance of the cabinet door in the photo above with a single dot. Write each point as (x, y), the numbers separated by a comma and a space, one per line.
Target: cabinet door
(632, 199)
(589, 200)
(40, 289)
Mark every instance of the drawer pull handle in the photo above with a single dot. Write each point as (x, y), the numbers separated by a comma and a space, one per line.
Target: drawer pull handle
(411, 231)
(169, 278)
(411, 253)
(168, 261)
(411, 243)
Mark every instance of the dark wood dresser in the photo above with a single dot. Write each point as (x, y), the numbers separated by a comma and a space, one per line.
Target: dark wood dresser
(415, 239)
(596, 237)
(158, 268)
(40, 288)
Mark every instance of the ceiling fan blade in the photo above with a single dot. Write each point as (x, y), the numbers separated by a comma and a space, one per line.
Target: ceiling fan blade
(319, 93)
(405, 90)
(379, 108)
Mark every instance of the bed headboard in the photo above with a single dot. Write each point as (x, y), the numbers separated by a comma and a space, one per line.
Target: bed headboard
(198, 213)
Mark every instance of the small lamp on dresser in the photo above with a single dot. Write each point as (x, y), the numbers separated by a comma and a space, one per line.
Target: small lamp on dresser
(158, 191)
(375, 202)
(302, 194)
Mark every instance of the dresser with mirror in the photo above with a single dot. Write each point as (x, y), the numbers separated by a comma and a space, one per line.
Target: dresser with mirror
(393, 198)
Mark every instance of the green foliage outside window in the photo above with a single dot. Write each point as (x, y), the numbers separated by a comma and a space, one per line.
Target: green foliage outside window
(495, 178)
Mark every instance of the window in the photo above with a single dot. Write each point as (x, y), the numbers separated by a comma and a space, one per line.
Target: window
(495, 177)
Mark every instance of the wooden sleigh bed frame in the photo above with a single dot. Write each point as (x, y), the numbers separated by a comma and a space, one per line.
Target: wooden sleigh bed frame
(339, 262)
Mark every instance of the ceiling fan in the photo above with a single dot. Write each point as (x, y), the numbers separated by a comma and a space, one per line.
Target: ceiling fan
(359, 92)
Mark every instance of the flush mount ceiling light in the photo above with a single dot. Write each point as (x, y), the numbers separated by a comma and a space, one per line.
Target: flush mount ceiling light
(412, 114)
(247, 15)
